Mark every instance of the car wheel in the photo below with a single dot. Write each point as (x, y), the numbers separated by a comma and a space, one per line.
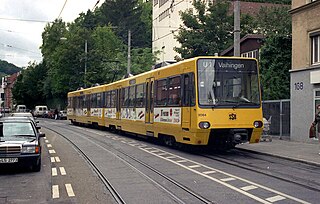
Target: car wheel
(37, 166)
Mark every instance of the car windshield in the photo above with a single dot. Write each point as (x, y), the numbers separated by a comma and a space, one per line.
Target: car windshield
(13, 129)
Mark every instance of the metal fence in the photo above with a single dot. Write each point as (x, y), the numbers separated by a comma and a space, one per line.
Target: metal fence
(279, 111)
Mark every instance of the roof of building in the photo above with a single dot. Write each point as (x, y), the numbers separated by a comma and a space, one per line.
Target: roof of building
(245, 38)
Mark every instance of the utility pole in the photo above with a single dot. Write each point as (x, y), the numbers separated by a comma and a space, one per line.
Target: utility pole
(129, 55)
(85, 61)
(236, 31)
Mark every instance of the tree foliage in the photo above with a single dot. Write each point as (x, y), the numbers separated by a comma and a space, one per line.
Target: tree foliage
(275, 65)
(276, 52)
(209, 30)
(66, 66)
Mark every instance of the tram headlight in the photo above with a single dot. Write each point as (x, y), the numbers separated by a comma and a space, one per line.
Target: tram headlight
(257, 124)
(204, 125)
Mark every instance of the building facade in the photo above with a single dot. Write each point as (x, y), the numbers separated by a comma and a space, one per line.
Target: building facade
(6, 91)
(305, 72)
(166, 21)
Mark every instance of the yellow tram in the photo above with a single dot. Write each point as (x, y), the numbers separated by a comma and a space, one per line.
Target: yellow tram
(199, 101)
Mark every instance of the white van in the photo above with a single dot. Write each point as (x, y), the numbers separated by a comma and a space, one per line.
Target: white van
(21, 108)
(40, 110)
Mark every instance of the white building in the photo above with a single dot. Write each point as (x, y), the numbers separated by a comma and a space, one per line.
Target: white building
(165, 24)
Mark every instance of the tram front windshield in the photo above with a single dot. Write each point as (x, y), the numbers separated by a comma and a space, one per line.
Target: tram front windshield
(228, 83)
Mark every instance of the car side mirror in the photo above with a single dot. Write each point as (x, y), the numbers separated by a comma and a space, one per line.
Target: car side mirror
(37, 121)
(38, 128)
(42, 134)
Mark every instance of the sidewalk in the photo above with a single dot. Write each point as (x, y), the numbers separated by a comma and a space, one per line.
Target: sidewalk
(304, 152)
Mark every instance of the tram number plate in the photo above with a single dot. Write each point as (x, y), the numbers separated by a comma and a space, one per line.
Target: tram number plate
(8, 160)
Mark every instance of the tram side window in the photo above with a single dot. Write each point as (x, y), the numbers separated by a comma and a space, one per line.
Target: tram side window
(93, 100)
(131, 98)
(69, 102)
(140, 95)
(161, 92)
(175, 91)
(99, 100)
(113, 99)
(80, 101)
(87, 101)
(107, 102)
(125, 97)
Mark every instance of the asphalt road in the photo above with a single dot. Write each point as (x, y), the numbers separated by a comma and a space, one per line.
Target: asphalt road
(144, 172)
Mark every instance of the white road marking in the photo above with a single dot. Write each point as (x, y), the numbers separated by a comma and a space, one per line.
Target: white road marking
(261, 200)
(51, 151)
(134, 144)
(46, 141)
(194, 166)
(45, 138)
(57, 159)
(154, 151)
(162, 154)
(275, 198)
(228, 179)
(55, 191)
(209, 172)
(123, 141)
(69, 190)
(248, 188)
(148, 148)
(52, 159)
(170, 157)
(49, 145)
(181, 161)
(54, 172)
(63, 171)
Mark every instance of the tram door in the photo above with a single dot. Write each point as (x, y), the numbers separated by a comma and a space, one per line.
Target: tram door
(149, 100)
(187, 95)
(118, 103)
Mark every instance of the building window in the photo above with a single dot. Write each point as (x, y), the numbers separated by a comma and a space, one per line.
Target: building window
(251, 54)
(162, 2)
(164, 14)
(155, 2)
(315, 47)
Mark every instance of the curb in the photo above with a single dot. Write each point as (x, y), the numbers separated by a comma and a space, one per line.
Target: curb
(280, 156)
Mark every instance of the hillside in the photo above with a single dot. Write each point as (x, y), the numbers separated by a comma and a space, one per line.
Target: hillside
(8, 68)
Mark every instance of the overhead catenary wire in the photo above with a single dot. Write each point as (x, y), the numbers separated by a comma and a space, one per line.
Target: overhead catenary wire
(10, 46)
(65, 2)
(28, 20)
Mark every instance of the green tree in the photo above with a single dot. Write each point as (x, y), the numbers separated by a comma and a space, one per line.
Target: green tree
(210, 30)
(28, 87)
(134, 15)
(276, 52)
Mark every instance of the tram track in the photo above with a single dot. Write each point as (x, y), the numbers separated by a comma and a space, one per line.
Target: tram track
(124, 157)
(101, 176)
(308, 184)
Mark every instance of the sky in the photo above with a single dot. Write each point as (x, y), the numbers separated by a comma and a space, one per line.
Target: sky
(23, 21)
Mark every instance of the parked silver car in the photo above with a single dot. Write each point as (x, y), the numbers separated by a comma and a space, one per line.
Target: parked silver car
(20, 143)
